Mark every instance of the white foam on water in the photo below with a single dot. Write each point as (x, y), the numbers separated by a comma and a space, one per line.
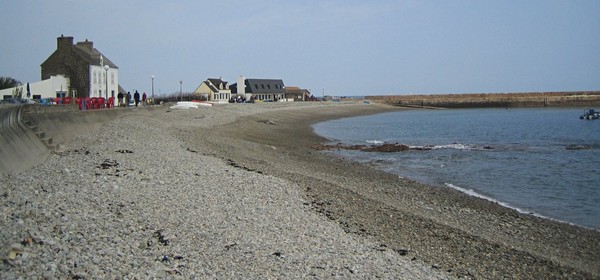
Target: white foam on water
(377, 142)
(446, 146)
(455, 146)
(473, 193)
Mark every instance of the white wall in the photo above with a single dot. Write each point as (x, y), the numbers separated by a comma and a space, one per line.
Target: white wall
(47, 88)
(98, 81)
(241, 86)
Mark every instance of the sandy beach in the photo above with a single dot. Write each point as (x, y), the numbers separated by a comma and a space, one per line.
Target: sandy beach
(236, 191)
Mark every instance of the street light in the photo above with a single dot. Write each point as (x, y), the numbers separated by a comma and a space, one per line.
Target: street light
(106, 67)
(152, 77)
(180, 90)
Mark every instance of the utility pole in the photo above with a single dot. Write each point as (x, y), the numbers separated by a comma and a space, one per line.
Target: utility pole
(180, 90)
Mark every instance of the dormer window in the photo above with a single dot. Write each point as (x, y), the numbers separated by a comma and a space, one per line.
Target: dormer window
(269, 86)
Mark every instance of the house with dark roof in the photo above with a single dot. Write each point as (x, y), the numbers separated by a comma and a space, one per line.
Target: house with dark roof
(213, 90)
(91, 73)
(259, 89)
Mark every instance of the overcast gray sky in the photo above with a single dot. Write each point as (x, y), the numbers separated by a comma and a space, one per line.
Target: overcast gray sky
(346, 47)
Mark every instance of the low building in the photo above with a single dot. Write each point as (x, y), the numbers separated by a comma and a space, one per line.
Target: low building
(55, 86)
(296, 94)
(91, 73)
(213, 89)
(259, 89)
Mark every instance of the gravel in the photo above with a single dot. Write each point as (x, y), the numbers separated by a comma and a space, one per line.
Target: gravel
(132, 200)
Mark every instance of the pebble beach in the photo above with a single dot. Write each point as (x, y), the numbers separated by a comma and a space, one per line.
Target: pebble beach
(235, 191)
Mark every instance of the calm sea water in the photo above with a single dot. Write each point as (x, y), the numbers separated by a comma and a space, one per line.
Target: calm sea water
(544, 161)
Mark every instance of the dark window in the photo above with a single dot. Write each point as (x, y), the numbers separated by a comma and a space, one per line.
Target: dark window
(269, 86)
(256, 86)
(263, 86)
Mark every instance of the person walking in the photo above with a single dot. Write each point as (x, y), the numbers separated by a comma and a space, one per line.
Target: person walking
(136, 98)
(127, 99)
(120, 98)
(144, 99)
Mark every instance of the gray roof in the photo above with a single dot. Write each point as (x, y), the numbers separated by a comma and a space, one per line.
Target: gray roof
(214, 83)
(91, 55)
(211, 86)
(264, 86)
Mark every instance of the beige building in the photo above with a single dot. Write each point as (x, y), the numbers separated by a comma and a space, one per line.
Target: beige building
(213, 89)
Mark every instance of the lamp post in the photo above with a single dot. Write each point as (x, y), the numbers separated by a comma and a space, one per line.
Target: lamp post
(106, 67)
(180, 90)
(152, 77)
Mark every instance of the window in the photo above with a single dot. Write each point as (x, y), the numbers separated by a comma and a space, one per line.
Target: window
(256, 86)
(263, 86)
(269, 86)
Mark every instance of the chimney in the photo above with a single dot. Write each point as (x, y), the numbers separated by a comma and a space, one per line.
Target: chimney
(63, 42)
(241, 85)
(88, 44)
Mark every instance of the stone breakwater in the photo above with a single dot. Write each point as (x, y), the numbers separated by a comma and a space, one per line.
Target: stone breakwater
(481, 100)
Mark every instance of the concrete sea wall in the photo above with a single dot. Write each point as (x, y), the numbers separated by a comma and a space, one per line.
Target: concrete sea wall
(19, 145)
(29, 133)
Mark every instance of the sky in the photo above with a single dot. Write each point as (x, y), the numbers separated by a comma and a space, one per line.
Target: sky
(332, 47)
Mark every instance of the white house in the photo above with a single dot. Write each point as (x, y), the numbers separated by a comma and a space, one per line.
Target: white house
(56, 86)
(98, 75)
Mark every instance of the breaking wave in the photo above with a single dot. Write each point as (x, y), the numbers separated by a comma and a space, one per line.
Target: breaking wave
(454, 146)
(473, 193)
(375, 142)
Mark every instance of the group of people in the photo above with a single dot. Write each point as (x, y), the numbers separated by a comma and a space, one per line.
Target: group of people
(125, 99)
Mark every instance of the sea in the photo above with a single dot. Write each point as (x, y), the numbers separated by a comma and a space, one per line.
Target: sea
(541, 161)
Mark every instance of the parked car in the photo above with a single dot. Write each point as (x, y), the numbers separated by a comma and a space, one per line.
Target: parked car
(46, 101)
